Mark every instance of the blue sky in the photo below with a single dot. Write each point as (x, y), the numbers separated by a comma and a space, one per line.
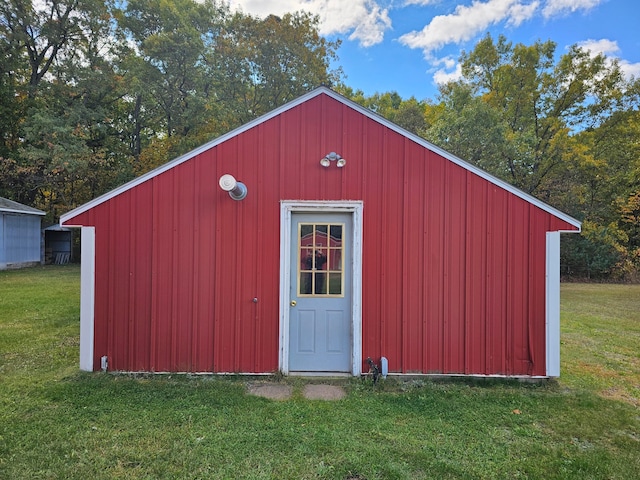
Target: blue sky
(409, 46)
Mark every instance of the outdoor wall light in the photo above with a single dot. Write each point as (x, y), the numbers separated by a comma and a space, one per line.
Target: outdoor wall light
(333, 157)
(237, 190)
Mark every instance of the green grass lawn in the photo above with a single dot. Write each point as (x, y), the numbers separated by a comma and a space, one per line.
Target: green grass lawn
(56, 422)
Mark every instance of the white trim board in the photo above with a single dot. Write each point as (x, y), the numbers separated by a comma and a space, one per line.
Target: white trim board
(286, 210)
(87, 296)
(552, 307)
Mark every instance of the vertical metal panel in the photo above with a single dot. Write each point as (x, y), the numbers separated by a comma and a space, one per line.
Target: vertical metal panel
(3, 260)
(183, 234)
(353, 143)
(230, 215)
(268, 263)
(163, 282)
(518, 357)
(434, 264)
(496, 280)
(20, 238)
(205, 264)
(453, 272)
(391, 236)
(247, 261)
(140, 260)
(374, 250)
(2, 241)
(476, 276)
(455, 224)
(413, 259)
(119, 280)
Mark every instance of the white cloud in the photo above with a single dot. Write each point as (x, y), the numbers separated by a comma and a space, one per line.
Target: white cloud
(450, 70)
(467, 22)
(266, 7)
(365, 19)
(630, 70)
(420, 2)
(604, 46)
(371, 26)
(563, 7)
(611, 50)
(522, 12)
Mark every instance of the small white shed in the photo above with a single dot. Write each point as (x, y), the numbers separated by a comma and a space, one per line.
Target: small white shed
(20, 235)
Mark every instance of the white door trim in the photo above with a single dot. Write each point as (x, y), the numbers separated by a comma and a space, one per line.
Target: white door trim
(287, 207)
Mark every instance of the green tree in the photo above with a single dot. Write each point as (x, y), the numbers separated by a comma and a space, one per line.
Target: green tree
(39, 35)
(562, 130)
(65, 90)
(409, 114)
(465, 125)
(168, 72)
(598, 253)
(264, 63)
(500, 97)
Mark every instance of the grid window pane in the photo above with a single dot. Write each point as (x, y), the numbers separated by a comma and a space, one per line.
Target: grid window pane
(335, 283)
(320, 259)
(306, 285)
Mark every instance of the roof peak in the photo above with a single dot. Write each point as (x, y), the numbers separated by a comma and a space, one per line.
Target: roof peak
(322, 90)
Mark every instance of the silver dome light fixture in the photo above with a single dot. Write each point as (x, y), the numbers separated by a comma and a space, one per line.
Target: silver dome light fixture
(237, 190)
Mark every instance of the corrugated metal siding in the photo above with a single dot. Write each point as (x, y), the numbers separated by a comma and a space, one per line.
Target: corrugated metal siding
(453, 266)
(2, 249)
(20, 239)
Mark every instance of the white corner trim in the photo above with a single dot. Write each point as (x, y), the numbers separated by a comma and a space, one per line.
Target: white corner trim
(286, 209)
(552, 313)
(87, 296)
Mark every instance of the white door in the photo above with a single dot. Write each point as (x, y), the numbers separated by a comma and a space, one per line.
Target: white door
(320, 333)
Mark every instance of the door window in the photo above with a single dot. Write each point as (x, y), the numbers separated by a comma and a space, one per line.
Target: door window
(320, 260)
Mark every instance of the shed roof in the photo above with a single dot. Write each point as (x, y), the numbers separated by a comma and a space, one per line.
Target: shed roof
(10, 206)
(56, 227)
(294, 103)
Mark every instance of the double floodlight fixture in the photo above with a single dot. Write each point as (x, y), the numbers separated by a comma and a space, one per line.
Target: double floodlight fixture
(332, 157)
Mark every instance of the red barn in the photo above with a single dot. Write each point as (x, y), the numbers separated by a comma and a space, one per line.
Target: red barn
(355, 239)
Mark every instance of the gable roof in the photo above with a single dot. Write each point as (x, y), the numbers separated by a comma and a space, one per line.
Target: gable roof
(294, 103)
(10, 206)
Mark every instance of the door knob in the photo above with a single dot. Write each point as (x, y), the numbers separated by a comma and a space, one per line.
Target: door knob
(293, 303)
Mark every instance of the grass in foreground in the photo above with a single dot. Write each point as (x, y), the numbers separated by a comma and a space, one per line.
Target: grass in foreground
(58, 423)
(600, 348)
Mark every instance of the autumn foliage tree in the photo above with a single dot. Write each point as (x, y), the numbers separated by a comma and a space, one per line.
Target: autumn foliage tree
(563, 129)
(94, 92)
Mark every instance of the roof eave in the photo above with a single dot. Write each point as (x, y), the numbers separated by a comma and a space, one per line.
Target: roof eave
(24, 212)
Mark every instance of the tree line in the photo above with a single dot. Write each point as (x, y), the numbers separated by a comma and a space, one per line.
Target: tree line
(565, 129)
(93, 93)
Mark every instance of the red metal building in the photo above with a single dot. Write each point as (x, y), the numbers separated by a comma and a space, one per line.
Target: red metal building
(432, 263)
